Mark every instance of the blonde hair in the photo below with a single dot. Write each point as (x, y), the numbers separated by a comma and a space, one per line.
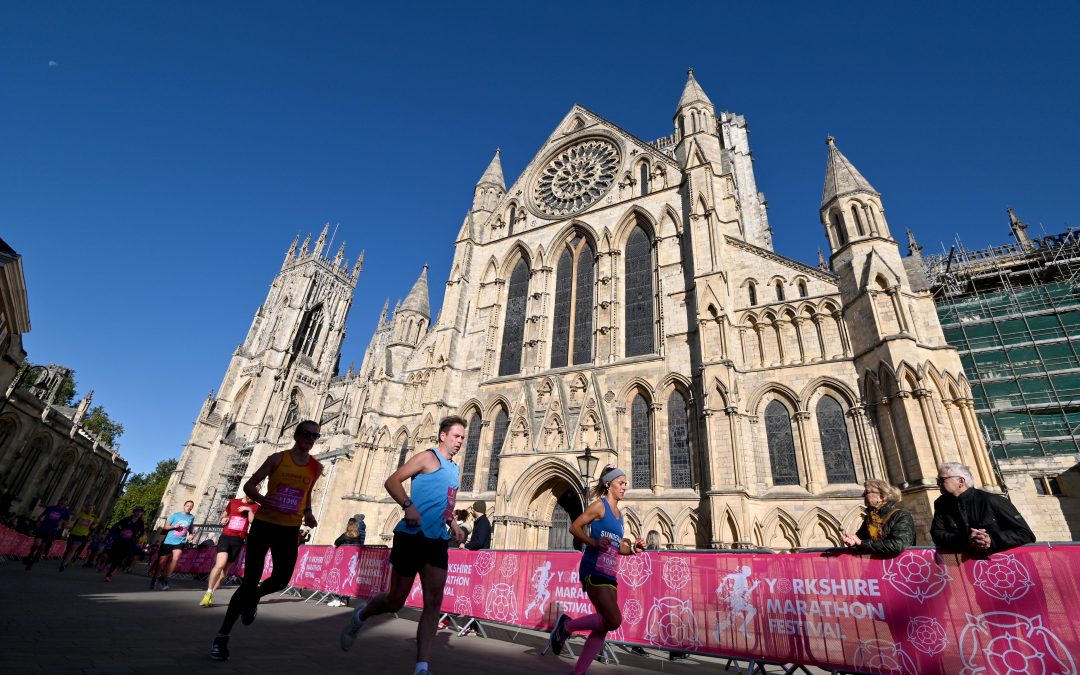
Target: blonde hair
(652, 540)
(891, 493)
(352, 529)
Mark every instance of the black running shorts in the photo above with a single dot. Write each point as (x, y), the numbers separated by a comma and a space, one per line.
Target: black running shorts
(411, 552)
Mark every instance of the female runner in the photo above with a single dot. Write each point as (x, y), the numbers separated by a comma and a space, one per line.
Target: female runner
(600, 528)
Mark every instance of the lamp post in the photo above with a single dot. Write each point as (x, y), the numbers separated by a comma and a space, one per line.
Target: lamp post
(586, 463)
(210, 507)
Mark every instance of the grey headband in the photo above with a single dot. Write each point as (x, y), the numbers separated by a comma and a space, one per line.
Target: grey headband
(611, 475)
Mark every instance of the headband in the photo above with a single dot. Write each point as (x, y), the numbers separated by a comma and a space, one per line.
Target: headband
(611, 475)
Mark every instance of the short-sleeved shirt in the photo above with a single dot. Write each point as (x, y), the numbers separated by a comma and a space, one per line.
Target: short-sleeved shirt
(182, 526)
(53, 517)
(237, 525)
(83, 522)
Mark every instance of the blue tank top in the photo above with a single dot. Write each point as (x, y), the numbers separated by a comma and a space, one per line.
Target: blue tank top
(603, 562)
(434, 495)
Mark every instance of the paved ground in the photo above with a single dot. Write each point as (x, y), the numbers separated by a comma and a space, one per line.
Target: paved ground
(75, 623)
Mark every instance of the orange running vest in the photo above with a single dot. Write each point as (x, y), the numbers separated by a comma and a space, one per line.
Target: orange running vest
(287, 491)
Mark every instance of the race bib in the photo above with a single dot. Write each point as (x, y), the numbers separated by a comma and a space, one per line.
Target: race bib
(85, 523)
(287, 499)
(237, 523)
(451, 500)
(126, 534)
(54, 515)
(607, 563)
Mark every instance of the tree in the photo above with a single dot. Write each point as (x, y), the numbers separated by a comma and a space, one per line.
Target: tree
(99, 424)
(65, 394)
(145, 490)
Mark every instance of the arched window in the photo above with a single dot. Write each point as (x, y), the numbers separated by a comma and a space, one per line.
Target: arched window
(502, 425)
(472, 449)
(404, 454)
(512, 216)
(856, 220)
(779, 290)
(292, 414)
(514, 325)
(640, 324)
(558, 539)
(785, 471)
(640, 444)
(802, 288)
(310, 328)
(838, 228)
(835, 448)
(644, 169)
(679, 441)
(751, 292)
(573, 323)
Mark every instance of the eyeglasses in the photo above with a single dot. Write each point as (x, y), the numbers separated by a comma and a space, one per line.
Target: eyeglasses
(313, 435)
(941, 480)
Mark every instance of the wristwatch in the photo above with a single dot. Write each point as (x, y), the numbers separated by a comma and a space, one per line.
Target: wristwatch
(406, 504)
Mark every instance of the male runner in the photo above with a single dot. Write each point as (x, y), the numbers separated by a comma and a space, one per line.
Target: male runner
(237, 517)
(290, 476)
(125, 537)
(80, 532)
(51, 523)
(177, 530)
(421, 538)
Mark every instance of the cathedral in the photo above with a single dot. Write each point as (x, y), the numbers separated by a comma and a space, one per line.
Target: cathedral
(620, 297)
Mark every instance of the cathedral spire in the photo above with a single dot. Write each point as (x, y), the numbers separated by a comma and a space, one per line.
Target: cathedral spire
(291, 253)
(1019, 230)
(914, 247)
(695, 113)
(358, 266)
(340, 256)
(491, 187)
(841, 176)
(307, 242)
(321, 242)
(692, 93)
(493, 175)
(821, 263)
(417, 300)
(382, 315)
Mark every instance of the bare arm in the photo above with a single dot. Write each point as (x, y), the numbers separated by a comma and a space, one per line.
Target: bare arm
(577, 528)
(251, 487)
(414, 466)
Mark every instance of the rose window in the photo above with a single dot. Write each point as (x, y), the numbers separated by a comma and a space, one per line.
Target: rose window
(576, 178)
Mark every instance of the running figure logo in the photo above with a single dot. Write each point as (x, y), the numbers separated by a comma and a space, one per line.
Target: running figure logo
(734, 592)
(541, 595)
(354, 566)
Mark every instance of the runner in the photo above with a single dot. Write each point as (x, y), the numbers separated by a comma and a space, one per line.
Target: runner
(177, 530)
(237, 518)
(421, 538)
(599, 564)
(292, 475)
(125, 537)
(49, 526)
(97, 545)
(80, 532)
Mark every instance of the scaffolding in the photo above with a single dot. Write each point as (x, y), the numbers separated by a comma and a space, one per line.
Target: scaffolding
(1013, 314)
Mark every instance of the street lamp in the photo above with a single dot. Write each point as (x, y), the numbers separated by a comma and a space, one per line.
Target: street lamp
(586, 468)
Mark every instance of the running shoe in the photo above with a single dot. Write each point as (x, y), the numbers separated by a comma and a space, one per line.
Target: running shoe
(559, 634)
(348, 633)
(207, 599)
(248, 615)
(422, 671)
(219, 651)
(164, 584)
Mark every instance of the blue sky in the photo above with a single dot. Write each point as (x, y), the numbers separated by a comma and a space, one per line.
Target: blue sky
(156, 159)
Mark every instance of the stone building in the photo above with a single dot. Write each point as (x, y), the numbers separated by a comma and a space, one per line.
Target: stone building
(622, 296)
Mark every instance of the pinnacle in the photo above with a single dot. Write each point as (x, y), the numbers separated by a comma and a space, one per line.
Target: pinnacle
(494, 173)
(841, 176)
(417, 300)
(692, 92)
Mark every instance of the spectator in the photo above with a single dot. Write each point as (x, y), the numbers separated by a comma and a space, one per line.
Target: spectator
(969, 520)
(462, 517)
(350, 537)
(481, 534)
(363, 528)
(887, 529)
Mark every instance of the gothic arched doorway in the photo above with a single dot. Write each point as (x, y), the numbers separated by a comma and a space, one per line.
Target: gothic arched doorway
(567, 509)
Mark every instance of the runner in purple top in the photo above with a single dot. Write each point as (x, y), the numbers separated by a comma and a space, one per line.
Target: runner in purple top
(51, 523)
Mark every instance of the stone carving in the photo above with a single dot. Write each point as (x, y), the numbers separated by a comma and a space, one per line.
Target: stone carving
(576, 178)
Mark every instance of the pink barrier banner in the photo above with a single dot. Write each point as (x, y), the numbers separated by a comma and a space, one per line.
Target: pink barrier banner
(922, 612)
(13, 543)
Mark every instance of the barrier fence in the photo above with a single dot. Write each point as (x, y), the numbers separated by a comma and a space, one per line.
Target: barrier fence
(921, 612)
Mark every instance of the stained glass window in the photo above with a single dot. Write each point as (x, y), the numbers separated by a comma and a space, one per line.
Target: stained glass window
(640, 444)
(781, 446)
(514, 326)
(472, 449)
(835, 448)
(560, 331)
(583, 305)
(679, 441)
(502, 425)
(639, 294)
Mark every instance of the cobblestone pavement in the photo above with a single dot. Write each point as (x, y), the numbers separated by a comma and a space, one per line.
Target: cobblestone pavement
(74, 622)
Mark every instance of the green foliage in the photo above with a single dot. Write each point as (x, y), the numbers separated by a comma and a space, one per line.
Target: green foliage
(98, 423)
(65, 395)
(145, 490)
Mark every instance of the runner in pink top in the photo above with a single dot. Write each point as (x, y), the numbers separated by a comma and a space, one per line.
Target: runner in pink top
(237, 518)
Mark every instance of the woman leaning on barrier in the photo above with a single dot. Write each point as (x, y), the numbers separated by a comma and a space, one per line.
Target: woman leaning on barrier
(887, 529)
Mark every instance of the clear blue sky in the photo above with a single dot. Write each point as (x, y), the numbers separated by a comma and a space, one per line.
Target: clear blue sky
(156, 159)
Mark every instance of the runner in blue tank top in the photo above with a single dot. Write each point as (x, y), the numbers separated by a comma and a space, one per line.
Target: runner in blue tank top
(421, 539)
(600, 528)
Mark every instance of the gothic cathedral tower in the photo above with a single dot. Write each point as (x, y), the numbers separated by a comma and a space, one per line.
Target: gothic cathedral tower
(277, 377)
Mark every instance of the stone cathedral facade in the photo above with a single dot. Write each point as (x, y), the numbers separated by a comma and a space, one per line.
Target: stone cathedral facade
(620, 295)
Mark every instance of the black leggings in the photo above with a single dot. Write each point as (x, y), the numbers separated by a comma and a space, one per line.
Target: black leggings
(280, 540)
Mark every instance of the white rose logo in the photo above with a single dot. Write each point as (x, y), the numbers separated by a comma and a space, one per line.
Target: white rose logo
(883, 657)
(635, 570)
(671, 623)
(485, 562)
(1003, 577)
(501, 605)
(676, 572)
(632, 612)
(1008, 643)
(916, 574)
(926, 635)
(508, 568)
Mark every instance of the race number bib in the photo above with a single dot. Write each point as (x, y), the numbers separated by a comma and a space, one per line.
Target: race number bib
(607, 563)
(237, 523)
(126, 534)
(287, 499)
(451, 501)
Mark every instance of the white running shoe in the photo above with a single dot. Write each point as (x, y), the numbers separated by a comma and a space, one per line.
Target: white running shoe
(348, 633)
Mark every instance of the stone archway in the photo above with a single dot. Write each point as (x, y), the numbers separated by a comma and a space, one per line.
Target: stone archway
(542, 504)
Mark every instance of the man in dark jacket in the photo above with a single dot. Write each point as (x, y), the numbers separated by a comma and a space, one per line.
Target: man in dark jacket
(969, 520)
(481, 534)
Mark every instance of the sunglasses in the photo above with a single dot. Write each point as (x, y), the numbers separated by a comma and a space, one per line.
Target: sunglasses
(941, 481)
(313, 435)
